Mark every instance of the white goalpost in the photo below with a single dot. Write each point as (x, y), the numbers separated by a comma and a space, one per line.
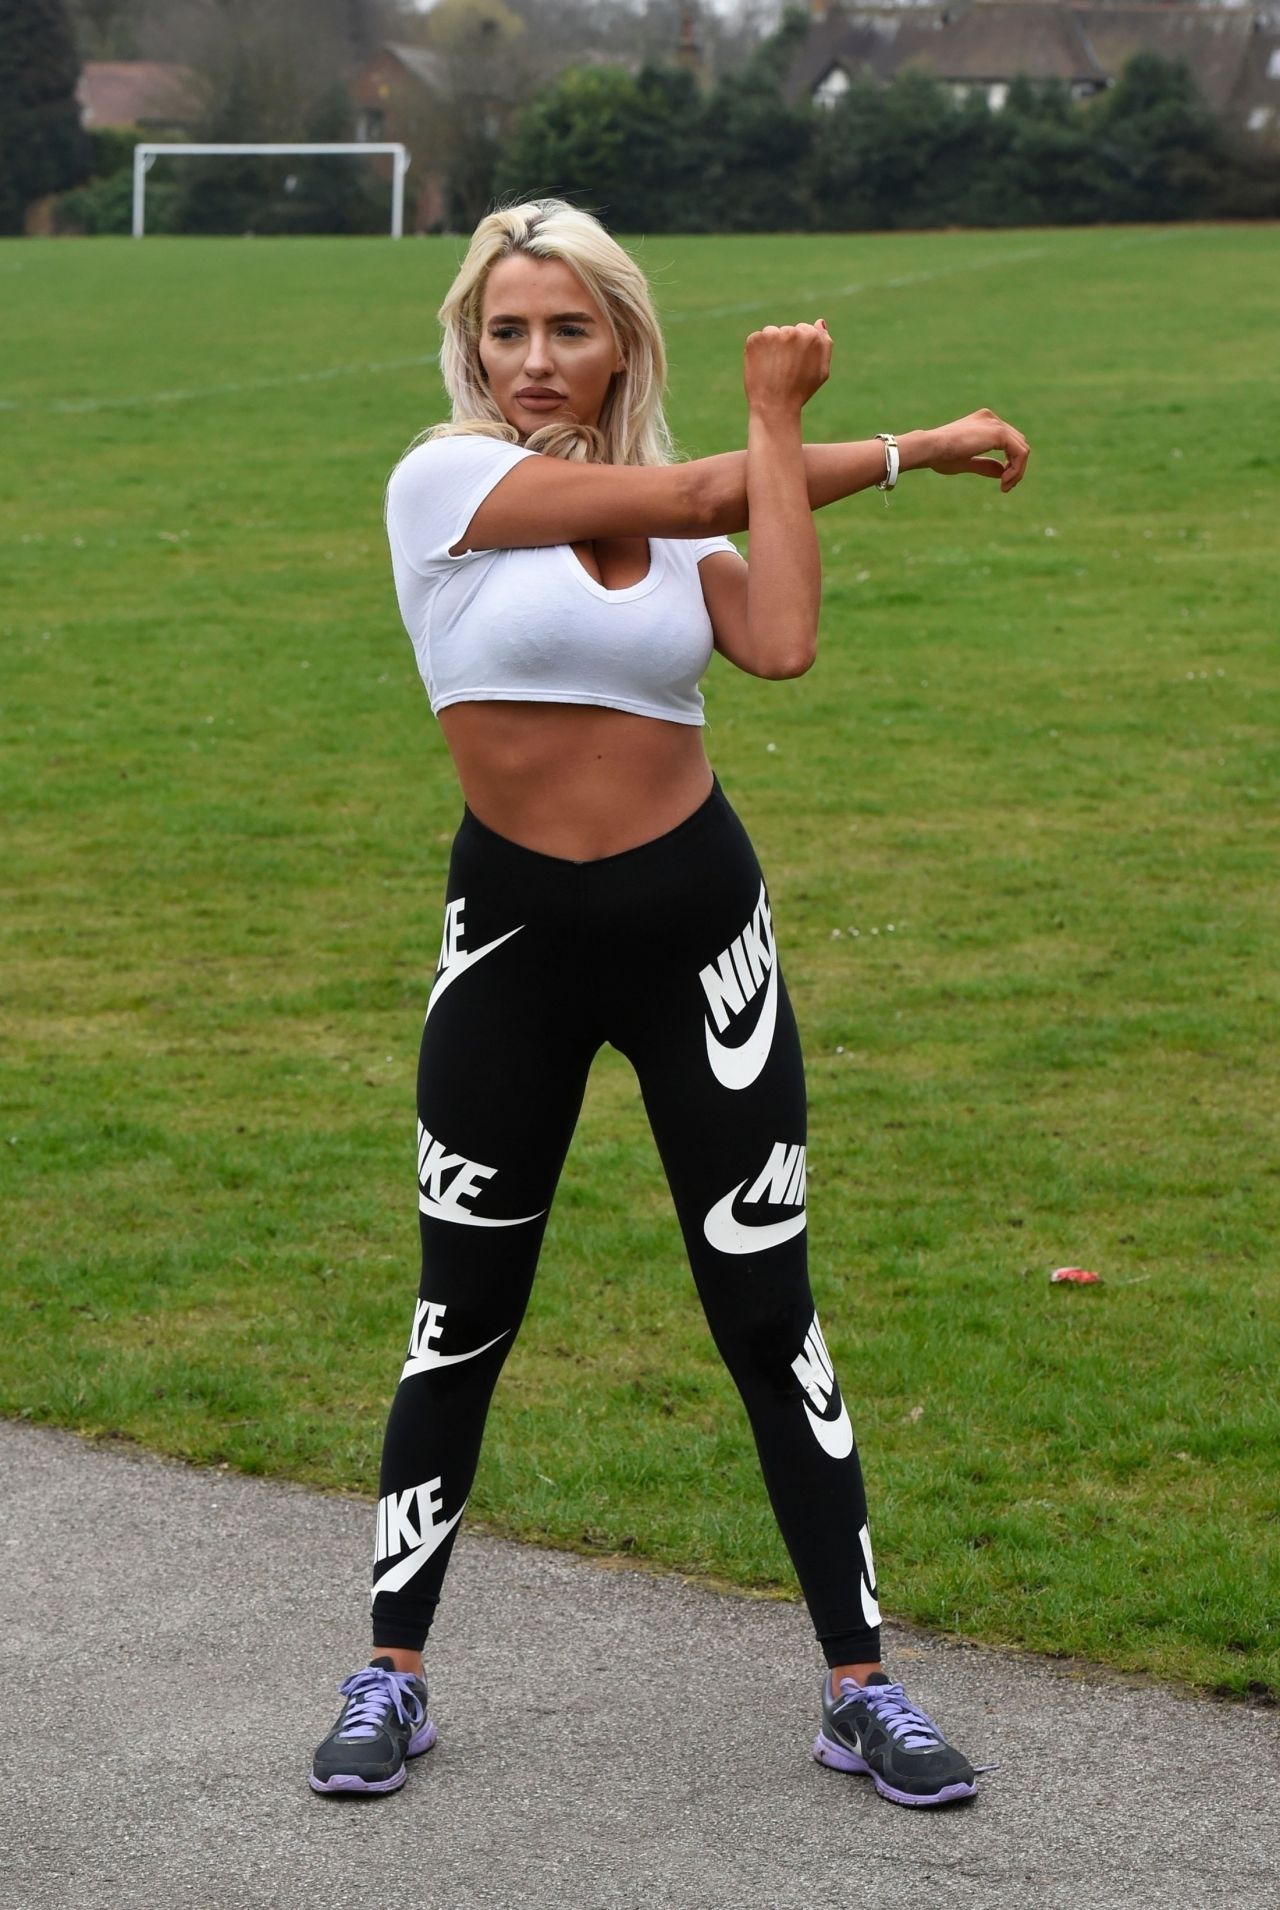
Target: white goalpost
(144, 158)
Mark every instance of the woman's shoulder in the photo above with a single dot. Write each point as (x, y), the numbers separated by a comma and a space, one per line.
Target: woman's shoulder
(436, 490)
(454, 458)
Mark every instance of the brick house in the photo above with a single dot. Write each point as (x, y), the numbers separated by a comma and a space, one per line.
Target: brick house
(393, 98)
(149, 94)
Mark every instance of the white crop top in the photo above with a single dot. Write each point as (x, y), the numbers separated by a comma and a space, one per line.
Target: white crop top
(530, 625)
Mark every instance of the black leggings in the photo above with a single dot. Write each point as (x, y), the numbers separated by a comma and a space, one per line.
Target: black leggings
(667, 952)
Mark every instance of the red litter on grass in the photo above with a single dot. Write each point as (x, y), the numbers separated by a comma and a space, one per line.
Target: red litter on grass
(1074, 1276)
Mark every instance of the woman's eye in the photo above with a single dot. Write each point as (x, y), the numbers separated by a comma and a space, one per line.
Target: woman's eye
(505, 332)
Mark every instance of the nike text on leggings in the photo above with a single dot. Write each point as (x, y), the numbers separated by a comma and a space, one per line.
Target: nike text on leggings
(667, 951)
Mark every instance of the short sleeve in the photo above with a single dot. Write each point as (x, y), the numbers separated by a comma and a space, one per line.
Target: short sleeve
(708, 546)
(436, 490)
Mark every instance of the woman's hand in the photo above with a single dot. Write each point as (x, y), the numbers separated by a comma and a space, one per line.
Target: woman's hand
(783, 365)
(970, 444)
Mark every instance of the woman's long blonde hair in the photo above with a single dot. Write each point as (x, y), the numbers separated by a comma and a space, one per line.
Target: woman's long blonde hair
(632, 427)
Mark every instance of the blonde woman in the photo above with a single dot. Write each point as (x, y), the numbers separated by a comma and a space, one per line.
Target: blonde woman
(564, 581)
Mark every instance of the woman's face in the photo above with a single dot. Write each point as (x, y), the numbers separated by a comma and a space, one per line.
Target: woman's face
(545, 344)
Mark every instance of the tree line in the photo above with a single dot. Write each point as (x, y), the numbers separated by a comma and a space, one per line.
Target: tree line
(652, 153)
(644, 145)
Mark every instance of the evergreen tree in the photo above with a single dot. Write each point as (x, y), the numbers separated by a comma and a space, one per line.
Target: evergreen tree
(777, 52)
(757, 148)
(880, 157)
(1050, 172)
(624, 147)
(42, 145)
(1165, 151)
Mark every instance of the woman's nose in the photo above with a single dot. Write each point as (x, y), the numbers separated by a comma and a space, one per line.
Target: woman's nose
(538, 355)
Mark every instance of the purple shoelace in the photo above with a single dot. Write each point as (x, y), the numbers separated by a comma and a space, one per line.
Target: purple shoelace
(371, 1690)
(890, 1706)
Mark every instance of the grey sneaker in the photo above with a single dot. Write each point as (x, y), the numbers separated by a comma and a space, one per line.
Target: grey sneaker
(873, 1729)
(383, 1722)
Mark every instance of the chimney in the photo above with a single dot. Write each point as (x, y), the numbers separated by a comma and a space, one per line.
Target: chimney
(688, 48)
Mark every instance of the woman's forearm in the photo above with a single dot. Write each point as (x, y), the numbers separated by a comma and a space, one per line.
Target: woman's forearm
(784, 584)
(832, 471)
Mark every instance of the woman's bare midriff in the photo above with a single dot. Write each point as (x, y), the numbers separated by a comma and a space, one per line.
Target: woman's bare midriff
(572, 780)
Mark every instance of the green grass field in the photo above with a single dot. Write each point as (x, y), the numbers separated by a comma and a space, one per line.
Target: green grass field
(1019, 825)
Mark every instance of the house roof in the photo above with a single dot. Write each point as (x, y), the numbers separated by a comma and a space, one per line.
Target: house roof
(420, 62)
(870, 40)
(1076, 41)
(136, 93)
(995, 39)
(1215, 42)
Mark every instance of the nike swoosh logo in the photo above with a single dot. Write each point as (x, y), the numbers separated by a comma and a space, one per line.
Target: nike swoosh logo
(399, 1575)
(738, 1067)
(428, 1362)
(870, 1609)
(727, 1233)
(835, 1436)
(462, 961)
(443, 1210)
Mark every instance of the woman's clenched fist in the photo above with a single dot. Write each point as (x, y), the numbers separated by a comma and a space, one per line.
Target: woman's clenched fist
(783, 365)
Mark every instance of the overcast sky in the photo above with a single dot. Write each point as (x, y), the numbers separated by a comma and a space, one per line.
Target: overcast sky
(716, 6)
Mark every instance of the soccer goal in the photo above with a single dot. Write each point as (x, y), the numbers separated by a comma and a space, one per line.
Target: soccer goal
(144, 158)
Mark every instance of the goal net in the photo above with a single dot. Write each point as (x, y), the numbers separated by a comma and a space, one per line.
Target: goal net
(145, 156)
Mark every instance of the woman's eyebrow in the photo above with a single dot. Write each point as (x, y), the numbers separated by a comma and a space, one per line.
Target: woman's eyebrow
(557, 318)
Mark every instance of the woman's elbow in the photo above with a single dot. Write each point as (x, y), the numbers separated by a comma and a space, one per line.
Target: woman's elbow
(801, 662)
(779, 661)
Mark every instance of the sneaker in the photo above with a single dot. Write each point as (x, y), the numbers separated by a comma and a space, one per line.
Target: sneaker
(873, 1728)
(383, 1722)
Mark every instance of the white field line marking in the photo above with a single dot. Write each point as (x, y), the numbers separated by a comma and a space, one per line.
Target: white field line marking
(73, 407)
(70, 407)
(906, 279)
(862, 285)
(1118, 245)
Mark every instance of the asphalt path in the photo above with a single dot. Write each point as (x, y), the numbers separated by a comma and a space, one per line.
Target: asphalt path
(173, 1639)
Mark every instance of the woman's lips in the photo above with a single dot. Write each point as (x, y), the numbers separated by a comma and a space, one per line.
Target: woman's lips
(538, 400)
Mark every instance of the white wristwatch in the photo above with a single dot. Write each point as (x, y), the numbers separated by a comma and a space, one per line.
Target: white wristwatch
(890, 477)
